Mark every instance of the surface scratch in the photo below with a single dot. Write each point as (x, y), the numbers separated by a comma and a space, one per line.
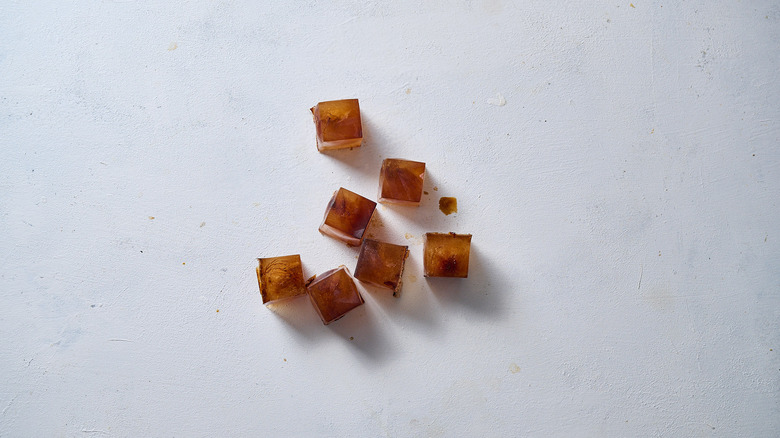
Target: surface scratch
(641, 272)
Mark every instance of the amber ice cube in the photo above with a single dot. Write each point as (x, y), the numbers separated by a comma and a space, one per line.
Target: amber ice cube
(446, 255)
(347, 217)
(401, 181)
(334, 294)
(381, 264)
(338, 124)
(280, 278)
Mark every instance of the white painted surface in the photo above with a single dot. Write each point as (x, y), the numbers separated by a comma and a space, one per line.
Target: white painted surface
(624, 205)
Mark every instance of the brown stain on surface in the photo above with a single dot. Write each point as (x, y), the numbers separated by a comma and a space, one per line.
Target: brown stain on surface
(514, 369)
(448, 205)
(151, 218)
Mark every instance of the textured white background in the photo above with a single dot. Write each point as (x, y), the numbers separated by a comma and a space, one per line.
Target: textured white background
(625, 277)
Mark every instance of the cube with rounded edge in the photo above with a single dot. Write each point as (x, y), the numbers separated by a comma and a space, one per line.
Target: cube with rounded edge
(280, 278)
(347, 217)
(338, 124)
(401, 182)
(333, 294)
(446, 255)
(381, 264)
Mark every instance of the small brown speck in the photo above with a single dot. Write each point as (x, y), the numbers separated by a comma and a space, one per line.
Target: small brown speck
(285, 359)
(659, 253)
(435, 189)
(151, 218)
(632, 5)
(408, 91)
(425, 192)
(183, 263)
(351, 338)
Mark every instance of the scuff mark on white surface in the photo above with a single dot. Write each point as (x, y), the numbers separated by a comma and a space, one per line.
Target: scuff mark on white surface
(641, 273)
(11, 402)
(497, 101)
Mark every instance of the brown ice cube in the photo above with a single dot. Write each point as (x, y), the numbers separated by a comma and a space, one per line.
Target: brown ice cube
(338, 124)
(401, 181)
(280, 278)
(381, 264)
(334, 294)
(446, 255)
(347, 217)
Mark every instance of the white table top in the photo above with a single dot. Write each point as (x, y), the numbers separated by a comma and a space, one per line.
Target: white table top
(617, 164)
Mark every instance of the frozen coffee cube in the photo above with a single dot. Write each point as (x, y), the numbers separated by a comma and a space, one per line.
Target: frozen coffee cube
(347, 217)
(280, 278)
(334, 294)
(401, 182)
(381, 264)
(338, 124)
(446, 255)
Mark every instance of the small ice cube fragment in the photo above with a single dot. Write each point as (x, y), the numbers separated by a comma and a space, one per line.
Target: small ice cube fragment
(347, 217)
(338, 124)
(280, 278)
(448, 205)
(333, 294)
(446, 255)
(381, 264)
(401, 181)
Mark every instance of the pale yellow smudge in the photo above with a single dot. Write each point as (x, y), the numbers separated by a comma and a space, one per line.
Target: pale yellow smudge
(151, 218)
(514, 369)
(408, 91)
(632, 5)
(173, 46)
